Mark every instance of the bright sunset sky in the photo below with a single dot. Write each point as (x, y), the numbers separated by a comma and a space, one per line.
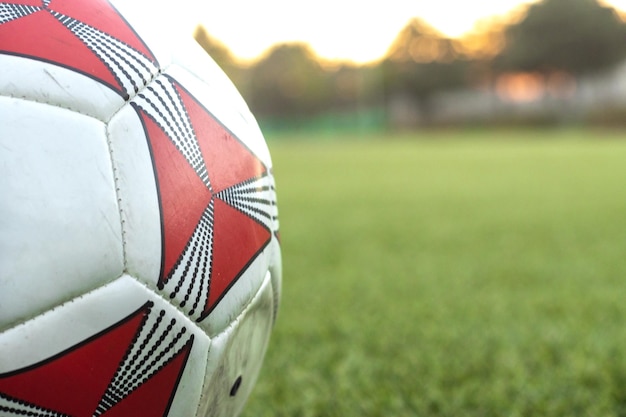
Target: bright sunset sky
(336, 29)
(356, 30)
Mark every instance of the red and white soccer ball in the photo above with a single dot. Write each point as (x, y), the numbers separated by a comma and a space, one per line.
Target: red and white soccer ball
(140, 267)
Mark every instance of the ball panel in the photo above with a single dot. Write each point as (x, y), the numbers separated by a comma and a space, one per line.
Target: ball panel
(119, 350)
(137, 194)
(236, 356)
(61, 234)
(43, 82)
(192, 60)
(91, 38)
(215, 196)
(212, 88)
(239, 294)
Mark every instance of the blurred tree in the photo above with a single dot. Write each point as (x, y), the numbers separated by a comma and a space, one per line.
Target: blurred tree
(353, 86)
(220, 54)
(419, 42)
(577, 36)
(288, 80)
(420, 63)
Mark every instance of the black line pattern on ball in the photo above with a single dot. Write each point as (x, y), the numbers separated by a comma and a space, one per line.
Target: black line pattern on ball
(17, 407)
(119, 57)
(165, 107)
(186, 130)
(207, 233)
(157, 342)
(10, 11)
(106, 56)
(89, 34)
(195, 159)
(197, 255)
(255, 198)
(162, 102)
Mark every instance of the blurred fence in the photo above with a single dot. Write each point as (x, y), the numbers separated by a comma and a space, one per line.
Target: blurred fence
(348, 122)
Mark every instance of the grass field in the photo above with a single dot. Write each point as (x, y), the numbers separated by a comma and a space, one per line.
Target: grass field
(450, 274)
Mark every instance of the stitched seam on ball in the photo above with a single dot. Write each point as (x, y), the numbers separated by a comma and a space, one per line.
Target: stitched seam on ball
(116, 180)
(118, 196)
(52, 104)
(165, 298)
(45, 310)
(78, 110)
(54, 309)
(105, 119)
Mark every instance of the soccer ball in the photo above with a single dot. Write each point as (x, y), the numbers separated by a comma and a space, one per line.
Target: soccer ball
(140, 267)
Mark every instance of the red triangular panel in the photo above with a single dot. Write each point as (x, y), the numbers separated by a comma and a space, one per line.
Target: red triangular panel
(102, 15)
(153, 398)
(55, 44)
(237, 240)
(184, 197)
(73, 381)
(227, 160)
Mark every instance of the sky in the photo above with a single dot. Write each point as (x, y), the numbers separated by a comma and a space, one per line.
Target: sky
(340, 29)
(352, 30)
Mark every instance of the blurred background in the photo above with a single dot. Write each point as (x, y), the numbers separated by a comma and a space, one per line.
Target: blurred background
(450, 63)
(451, 195)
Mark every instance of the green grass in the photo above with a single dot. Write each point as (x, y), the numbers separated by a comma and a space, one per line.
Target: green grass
(450, 274)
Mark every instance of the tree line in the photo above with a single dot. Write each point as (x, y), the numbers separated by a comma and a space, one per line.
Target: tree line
(574, 37)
